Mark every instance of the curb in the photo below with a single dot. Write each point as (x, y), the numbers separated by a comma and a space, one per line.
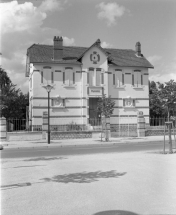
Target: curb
(7, 146)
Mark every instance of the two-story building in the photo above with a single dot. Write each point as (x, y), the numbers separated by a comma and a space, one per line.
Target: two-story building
(80, 75)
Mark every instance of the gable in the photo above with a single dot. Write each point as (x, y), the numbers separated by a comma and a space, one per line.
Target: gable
(95, 58)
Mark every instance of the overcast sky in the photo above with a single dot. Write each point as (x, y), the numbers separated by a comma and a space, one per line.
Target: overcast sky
(117, 23)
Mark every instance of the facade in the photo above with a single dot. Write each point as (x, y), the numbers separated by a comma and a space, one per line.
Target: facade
(80, 76)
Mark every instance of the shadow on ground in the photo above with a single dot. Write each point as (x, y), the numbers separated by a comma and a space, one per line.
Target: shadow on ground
(83, 177)
(22, 166)
(115, 212)
(11, 186)
(45, 159)
(37, 142)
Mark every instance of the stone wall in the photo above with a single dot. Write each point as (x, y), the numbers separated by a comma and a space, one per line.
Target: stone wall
(70, 135)
(157, 132)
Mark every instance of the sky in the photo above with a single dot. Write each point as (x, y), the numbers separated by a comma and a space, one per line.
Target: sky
(117, 23)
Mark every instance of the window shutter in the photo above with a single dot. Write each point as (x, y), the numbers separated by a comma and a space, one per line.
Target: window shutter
(73, 78)
(133, 102)
(88, 78)
(122, 79)
(70, 77)
(63, 102)
(141, 79)
(133, 79)
(63, 77)
(123, 102)
(52, 102)
(41, 76)
(98, 77)
(113, 79)
(102, 78)
(52, 77)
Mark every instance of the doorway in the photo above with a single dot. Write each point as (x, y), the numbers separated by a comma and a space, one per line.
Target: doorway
(94, 116)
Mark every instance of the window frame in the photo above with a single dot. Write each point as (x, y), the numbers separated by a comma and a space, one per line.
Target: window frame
(93, 80)
(139, 80)
(69, 78)
(118, 82)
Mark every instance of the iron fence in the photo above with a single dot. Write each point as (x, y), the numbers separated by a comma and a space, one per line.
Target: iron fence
(17, 125)
(159, 122)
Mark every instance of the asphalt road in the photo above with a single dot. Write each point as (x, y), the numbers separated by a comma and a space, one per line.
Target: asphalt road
(80, 150)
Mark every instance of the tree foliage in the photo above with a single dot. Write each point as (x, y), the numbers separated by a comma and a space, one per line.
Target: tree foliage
(105, 106)
(14, 102)
(162, 99)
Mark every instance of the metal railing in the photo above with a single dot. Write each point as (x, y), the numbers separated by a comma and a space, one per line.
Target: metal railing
(17, 125)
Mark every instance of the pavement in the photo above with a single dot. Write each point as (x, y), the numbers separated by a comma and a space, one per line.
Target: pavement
(133, 183)
(87, 141)
(130, 183)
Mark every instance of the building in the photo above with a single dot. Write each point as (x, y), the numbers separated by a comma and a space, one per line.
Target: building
(80, 76)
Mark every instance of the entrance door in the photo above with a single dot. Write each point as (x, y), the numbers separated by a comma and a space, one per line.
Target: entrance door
(94, 116)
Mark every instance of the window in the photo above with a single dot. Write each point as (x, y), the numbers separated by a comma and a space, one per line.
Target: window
(41, 76)
(118, 78)
(69, 76)
(58, 102)
(128, 102)
(137, 78)
(95, 77)
(47, 75)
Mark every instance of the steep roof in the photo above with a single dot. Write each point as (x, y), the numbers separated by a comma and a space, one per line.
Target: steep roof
(71, 54)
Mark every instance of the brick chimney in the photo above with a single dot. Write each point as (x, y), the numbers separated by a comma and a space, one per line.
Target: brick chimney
(58, 48)
(138, 49)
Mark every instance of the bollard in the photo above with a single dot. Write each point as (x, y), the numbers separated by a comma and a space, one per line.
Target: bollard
(3, 131)
(140, 124)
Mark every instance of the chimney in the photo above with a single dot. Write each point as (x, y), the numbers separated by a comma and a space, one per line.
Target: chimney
(138, 49)
(98, 42)
(58, 48)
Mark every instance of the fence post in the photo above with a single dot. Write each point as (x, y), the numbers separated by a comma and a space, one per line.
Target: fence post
(44, 124)
(140, 124)
(3, 131)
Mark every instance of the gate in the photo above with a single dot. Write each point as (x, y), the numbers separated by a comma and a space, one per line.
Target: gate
(125, 127)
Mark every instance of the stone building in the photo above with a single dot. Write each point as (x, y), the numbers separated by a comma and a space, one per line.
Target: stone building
(80, 75)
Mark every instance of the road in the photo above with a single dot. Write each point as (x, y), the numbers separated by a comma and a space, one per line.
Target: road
(80, 150)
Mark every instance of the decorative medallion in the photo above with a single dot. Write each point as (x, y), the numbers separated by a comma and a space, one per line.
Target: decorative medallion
(95, 57)
(58, 101)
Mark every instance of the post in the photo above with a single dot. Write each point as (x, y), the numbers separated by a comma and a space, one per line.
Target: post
(48, 117)
(170, 138)
(48, 89)
(3, 132)
(140, 124)
(169, 126)
(108, 132)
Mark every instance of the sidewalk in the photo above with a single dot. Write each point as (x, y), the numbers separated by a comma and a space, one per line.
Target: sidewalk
(78, 142)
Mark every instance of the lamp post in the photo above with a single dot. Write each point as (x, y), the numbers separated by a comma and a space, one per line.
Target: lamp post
(48, 88)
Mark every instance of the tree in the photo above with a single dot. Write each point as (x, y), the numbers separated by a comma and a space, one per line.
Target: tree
(105, 107)
(167, 97)
(14, 102)
(162, 99)
(154, 101)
